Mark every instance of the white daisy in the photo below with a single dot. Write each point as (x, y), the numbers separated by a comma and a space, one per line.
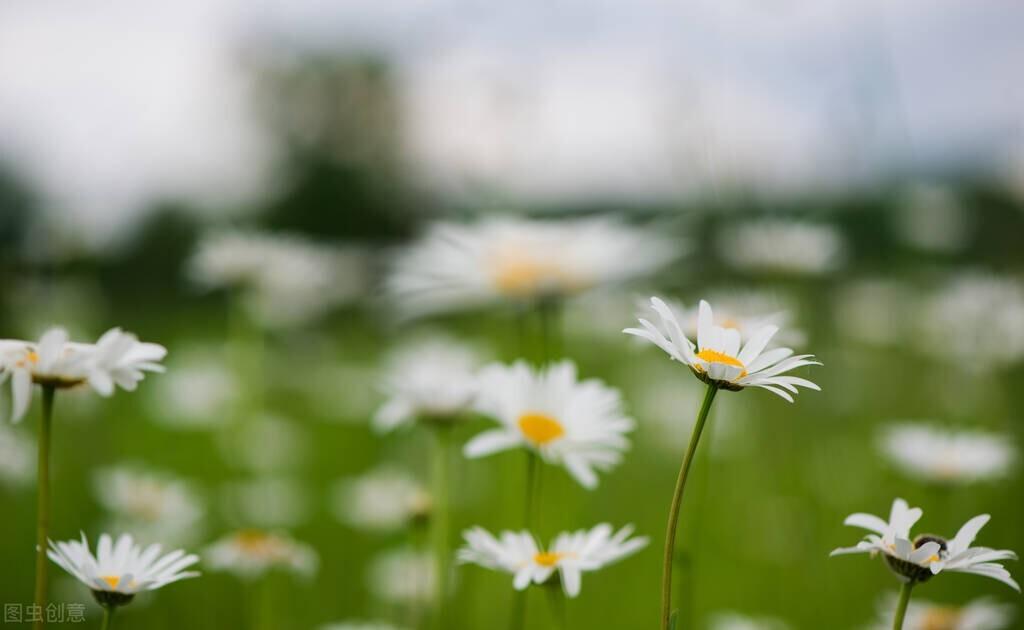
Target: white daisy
(782, 245)
(458, 266)
(431, 380)
(384, 499)
(284, 279)
(978, 614)
(577, 424)
(120, 569)
(941, 455)
(404, 576)
(717, 358)
(251, 553)
(117, 358)
(152, 505)
(919, 559)
(570, 554)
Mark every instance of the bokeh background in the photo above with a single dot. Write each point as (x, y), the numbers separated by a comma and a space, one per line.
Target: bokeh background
(857, 165)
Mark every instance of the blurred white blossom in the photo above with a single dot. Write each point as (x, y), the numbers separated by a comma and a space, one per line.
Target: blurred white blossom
(932, 453)
(976, 321)
(431, 380)
(782, 246)
(17, 457)
(982, 613)
(729, 620)
(403, 576)
(384, 499)
(458, 266)
(198, 392)
(154, 506)
(283, 279)
(250, 553)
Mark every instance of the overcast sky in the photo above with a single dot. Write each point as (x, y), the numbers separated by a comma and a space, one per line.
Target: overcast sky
(108, 106)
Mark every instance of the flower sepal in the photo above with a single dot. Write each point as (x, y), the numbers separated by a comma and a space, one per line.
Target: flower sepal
(112, 599)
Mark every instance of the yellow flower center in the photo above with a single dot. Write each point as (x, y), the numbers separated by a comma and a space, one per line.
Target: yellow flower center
(940, 618)
(30, 357)
(540, 428)
(548, 558)
(714, 356)
(112, 580)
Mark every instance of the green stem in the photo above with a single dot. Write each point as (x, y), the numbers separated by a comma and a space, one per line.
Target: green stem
(558, 607)
(901, 606)
(673, 515)
(43, 501)
(108, 614)
(440, 476)
(517, 620)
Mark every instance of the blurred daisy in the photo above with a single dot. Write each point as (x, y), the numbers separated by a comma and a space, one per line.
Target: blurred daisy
(459, 266)
(384, 499)
(934, 454)
(403, 576)
(199, 391)
(431, 380)
(782, 245)
(251, 553)
(976, 322)
(359, 625)
(17, 457)
(284, 279)
(568, 422)
(729, 620)
(978, 614)
(919, 559)
(116, 359)
(152, 505)
(120, 569)
(570, 554)
(718, 359)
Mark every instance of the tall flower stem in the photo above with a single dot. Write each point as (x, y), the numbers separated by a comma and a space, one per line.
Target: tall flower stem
(901, 605)
(517, 620)
(677, 500)
(43, 501)
(108, 615)
(441, 478)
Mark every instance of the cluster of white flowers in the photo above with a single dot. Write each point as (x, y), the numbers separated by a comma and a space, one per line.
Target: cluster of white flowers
(940, 455)
(251, 553)
(782, 246)
(117, 359)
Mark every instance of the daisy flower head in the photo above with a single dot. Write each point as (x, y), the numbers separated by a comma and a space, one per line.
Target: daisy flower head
(568, 422)
(385, 499)
(458, 266)
(251, 553)
(117, 359)
(920, 558)
(978, 614)
(570, 555)
(432, 380)
(945, 456)
(120, 568)
(730, 620)
(720, 357)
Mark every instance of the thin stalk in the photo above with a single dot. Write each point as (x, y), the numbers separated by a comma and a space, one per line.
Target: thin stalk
(108, 615)
(440, 477)
(673, 514)
(558, 608)
(901, 606)
(43, 502)
(517, 620)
